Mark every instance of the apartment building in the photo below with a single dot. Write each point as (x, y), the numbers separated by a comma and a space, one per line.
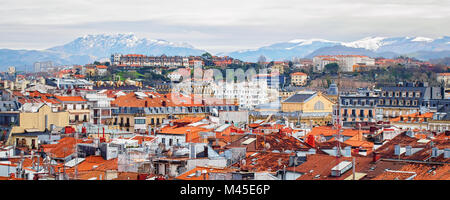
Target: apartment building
(298, 78)
(247, 94)
(146, 111)
(147, 61)
(357, 107)
(443, 78)
(388, 102)
(79, 110)
(345, 62)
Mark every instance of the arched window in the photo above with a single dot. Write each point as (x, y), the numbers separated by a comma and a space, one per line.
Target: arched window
(319, 106)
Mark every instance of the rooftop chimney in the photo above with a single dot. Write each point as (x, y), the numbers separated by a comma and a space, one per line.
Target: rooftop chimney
(376, 157)
(347, 151)
(434, 152)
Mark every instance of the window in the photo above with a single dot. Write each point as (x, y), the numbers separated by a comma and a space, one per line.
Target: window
(139, 121)
(417, 94)
(318, 106)
(163, 140)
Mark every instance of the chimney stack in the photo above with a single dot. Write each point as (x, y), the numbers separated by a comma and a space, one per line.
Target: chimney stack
(434, 152)
(376, 157)
(347, 151)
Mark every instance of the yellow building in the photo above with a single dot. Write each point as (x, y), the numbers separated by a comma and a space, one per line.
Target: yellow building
(298, 78)
(36, 117)
(278, 67)
(307, 102)
(443, 78)
(92, 71)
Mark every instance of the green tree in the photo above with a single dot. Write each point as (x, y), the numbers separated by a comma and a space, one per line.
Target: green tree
(331, 68)
(207, 56)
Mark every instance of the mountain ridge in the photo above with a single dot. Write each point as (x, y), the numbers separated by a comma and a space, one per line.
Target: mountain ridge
(376, 44)
(91, 47)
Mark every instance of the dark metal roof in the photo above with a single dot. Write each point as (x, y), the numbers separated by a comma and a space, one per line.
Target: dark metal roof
(333, 89)
(299, 97)
(9, 105)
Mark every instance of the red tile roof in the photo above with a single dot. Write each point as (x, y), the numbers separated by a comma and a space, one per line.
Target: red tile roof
(70, 98)
(318, 167)
(299, 74)
(191, 174)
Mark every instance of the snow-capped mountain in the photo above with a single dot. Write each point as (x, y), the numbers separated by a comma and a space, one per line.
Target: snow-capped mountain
(370, 46)
(104, 45)
(89, 48)
(369, 43)
(284, 50)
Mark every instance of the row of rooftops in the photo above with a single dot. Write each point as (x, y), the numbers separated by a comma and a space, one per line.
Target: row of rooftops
(269, 146)
(311, 156)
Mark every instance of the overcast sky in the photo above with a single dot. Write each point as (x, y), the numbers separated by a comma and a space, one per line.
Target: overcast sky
(218, 25)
